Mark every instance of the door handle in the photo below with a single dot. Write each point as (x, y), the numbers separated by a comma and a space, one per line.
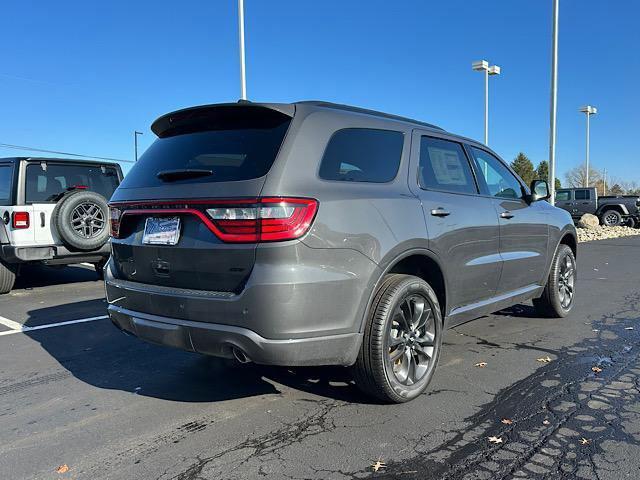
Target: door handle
(42, 220)
(440, 212)
(507, 214)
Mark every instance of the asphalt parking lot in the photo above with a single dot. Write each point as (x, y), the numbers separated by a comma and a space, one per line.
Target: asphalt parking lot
(559, 396)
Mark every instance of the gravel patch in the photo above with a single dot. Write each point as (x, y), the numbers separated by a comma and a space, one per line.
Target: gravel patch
(602, 233)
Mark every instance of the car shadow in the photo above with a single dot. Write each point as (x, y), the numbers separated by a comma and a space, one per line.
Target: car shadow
(100, 355)
(34, 276)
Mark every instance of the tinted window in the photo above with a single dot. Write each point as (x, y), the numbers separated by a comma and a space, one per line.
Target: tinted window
(500, 181)
(582, 194)
(563, 196)
(47, 185)
(233, 144)
(362, 155)
(444, 166)
(6, 176)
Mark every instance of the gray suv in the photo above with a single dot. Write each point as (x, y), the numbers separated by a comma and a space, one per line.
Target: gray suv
(322, 234)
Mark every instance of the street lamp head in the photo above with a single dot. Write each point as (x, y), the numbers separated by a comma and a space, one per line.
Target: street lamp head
(589, 110)
(494, 70)
(480, 65)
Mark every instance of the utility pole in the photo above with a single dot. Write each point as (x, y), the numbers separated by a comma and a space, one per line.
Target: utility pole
(243, 74)
(588, 110)
(135, 143)
(604, 182)
(554, 103)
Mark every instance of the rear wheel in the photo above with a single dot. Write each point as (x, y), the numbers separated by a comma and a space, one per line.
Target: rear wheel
(7, 277)
(402, 340)
(611, 218)
(557, 298)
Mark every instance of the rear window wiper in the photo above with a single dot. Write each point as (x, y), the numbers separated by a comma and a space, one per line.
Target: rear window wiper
(171, 175)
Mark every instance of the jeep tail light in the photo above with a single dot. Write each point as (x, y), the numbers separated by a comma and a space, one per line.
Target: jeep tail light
(114, 216)
(263, 220)
(20, 220)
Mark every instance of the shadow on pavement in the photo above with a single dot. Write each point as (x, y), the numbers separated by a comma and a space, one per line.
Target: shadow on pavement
(98, 354)
(33, 276)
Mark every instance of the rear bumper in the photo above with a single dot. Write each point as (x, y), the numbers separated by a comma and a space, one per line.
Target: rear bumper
(220, 340)
(50, 254)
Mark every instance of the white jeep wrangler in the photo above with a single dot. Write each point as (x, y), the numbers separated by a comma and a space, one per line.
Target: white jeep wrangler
(53, 211)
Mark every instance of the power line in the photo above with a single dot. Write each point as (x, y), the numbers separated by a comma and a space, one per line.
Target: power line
(42, 150)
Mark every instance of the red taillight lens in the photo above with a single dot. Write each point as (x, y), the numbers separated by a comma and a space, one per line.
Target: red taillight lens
(114, 216)
(20, 220)
(265, 220)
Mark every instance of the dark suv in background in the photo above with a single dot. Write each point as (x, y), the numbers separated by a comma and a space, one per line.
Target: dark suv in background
(315, 234)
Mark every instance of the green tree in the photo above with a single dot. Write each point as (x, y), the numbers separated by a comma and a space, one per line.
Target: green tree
(542, 173)
(523, 167)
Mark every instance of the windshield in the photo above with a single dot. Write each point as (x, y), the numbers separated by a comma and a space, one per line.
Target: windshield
(6, 176)
(241, 149)
(47, 185)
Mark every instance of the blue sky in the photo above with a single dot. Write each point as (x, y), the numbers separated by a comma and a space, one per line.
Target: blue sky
(80, 76)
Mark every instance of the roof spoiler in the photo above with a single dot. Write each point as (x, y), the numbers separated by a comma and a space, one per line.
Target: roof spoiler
(170, 121)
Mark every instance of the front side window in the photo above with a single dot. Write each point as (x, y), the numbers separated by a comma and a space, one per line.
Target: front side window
(444, 166)
(6, 176)
(563, 196)
(362, 155)
(46, 185)
(583, 194)
(500, 181)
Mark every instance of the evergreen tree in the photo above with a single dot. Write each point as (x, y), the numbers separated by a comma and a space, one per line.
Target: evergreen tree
(523, 167)
(542, 173)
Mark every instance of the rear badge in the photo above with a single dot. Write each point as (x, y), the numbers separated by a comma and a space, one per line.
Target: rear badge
(161, 231)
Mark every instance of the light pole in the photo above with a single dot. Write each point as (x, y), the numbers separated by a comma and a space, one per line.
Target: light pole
(588, 110)
(483, 65)
(554, 103)
(135, 142)
(243, 74)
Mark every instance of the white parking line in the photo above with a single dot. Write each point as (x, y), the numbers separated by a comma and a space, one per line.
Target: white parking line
(19, 328)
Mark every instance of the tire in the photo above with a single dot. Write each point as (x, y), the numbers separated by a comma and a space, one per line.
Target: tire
(81, 218)
(611, 218)
(395, 308)
(631, 222)
(7, 277)
(554, 302)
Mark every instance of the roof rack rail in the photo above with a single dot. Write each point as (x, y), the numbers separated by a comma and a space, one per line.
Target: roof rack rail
(349, 108)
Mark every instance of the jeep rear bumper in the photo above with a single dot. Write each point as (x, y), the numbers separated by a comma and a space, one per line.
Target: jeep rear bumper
(50, 254)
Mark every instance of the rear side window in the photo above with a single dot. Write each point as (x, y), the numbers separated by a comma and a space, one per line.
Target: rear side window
(583, 194)
(444, 166)
(362, 155)
(230, 144)
(6, 177)
(46, 185)
(563, 196)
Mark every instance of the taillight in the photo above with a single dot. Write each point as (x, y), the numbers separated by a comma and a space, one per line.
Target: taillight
(263, 220)
(114, 215)
(20, 220)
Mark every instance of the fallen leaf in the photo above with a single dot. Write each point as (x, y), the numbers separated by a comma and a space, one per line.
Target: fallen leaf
(507, 421)
(584, 441)
(596, 369)
(543, 360)
(546, 422)
(63, 468)
(495, 439)
(481, 364)
(628, 328)
(378, 465)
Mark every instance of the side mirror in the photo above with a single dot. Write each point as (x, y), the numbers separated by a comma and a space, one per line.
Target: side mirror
(539, 191)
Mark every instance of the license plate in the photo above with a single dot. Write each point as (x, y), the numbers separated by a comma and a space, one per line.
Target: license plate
(161, 231)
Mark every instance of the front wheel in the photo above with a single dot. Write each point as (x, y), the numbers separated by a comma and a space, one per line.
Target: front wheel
(402, 340)
(611, 218)
(558, 295)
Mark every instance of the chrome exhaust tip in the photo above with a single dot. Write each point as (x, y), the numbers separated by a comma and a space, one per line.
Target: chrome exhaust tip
(240, 356)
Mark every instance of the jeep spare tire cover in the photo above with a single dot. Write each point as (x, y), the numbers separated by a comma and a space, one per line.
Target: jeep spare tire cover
(82, 220)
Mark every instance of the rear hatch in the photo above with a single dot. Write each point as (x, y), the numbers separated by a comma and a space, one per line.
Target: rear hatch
(207, 167)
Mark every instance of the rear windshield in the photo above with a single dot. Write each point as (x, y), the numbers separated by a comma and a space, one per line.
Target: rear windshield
(6, 176)
(46, 185)
(230, 148)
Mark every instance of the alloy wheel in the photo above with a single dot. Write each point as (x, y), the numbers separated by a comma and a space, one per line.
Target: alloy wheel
(566, 281)
(87, 220)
